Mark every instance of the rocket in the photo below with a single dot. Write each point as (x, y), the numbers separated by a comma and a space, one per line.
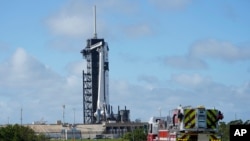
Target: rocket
(103, 81)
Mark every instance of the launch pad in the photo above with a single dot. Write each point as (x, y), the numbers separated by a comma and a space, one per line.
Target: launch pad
(85, 131)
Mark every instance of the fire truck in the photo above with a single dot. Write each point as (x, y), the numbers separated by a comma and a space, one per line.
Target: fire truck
(186, 124)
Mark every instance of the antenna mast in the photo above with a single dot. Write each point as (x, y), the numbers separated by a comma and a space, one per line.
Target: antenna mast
(95, 34)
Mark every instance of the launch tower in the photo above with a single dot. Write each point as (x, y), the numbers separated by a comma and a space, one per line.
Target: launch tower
(95, 80)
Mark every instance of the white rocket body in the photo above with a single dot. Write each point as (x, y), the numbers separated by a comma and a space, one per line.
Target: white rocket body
(103, 85)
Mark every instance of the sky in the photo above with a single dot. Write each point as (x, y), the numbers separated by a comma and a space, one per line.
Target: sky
(162, 53)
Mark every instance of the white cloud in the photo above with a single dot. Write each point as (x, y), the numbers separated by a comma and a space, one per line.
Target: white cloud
(171, 4)
(194, 90)
(120, 7)
(69, 25)
(148, 79)
(208, 49)
(138, 30)
(76, 67)
(72, 20)
(75, 20)
(27, 83)
(66, 44)
(41, 92)
(150, 82)
(225, 51)
(185, 62)
(22, 69)
(191, 80)
(243, 91)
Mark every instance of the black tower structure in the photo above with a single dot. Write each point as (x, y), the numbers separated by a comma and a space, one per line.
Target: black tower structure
(96, 106)
(90, 81)
(91, 77)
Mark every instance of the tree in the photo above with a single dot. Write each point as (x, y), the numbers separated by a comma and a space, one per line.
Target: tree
(136, 135)
(225, 127)
(236, 122)
(224, 131)
(19, 133)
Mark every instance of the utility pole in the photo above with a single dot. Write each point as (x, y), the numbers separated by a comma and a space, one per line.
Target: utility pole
(74, 109)
(63, 113)
(21, 116)
(160, 111)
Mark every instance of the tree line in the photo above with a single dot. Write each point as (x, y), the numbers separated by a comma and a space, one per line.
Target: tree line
(225, 127)
(20, 133)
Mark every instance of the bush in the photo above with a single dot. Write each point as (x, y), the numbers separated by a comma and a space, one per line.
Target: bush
(19, 133)
(136, 135)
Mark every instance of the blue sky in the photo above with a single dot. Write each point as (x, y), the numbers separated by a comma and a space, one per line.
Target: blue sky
(163, 53)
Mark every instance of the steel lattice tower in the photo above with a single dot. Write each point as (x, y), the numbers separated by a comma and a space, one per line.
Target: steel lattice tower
(90, 81)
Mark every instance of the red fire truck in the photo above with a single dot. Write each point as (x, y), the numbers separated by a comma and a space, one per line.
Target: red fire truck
(186, 124)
